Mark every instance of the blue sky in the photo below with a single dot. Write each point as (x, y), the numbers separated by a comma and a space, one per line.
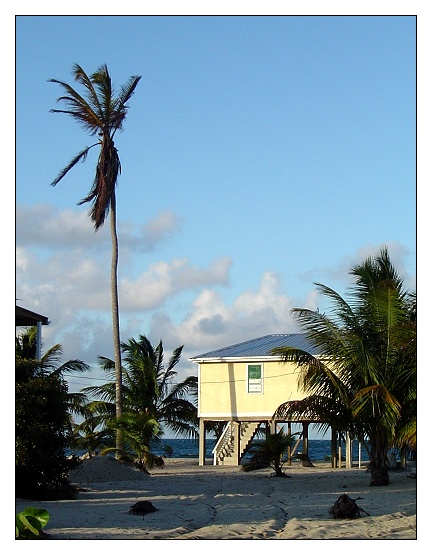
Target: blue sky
(260, 155)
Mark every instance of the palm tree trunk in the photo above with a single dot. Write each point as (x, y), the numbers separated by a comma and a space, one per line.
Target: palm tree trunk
(116, 316)
(378, 464)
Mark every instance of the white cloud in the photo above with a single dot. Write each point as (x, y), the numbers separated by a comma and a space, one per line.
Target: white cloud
(47, 227)
(163, 280)
(399, 256)
(147, 238)
(212, 323)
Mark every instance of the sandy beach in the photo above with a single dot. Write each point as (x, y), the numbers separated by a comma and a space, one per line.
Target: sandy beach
(217, 502)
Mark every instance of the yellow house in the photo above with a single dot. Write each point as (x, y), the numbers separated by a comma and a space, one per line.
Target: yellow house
(242, 386)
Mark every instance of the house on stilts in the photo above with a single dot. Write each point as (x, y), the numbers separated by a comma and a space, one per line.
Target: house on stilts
(243, 386)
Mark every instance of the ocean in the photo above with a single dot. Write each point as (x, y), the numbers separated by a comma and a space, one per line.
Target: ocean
(319, 449)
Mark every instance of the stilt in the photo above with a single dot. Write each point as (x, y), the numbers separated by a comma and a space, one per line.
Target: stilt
(333, 448)
(202, 442)
(305, 448)
(272, 426)
(348, 451)
(289, 448)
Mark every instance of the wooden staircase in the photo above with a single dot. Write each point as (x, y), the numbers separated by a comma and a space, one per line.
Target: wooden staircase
(224, 451)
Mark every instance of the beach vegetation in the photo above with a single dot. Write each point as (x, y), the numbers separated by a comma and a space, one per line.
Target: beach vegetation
(152, 398)
(270, 451)
(101, 113)
(87, 435)
(364, 380)
(42, 420)
(29, 523)
(141, 433)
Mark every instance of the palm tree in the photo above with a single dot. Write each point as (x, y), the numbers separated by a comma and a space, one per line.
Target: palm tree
(149, 388)
(88, 434)
(27, 364)
(141, 432)
(101, 113)
(364, 380)
(268, 452)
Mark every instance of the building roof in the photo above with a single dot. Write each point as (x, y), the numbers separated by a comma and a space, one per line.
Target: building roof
(25, 317)
(260, 347)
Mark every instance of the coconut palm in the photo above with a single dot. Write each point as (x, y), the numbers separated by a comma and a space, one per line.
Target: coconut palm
(88, 434)
(28, 365)
(141, 433)
(149, 388)
(101, 113)
(366, 372)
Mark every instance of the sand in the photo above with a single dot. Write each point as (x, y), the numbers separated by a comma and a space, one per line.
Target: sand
(217, 502)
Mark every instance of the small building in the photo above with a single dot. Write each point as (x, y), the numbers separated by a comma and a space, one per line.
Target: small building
(25, 317)
(242, 387)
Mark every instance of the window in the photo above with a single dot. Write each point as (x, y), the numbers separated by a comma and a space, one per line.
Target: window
(254, 378)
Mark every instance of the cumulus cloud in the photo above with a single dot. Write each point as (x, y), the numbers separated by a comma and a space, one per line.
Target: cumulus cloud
(398, 256)
(149, 236)
(47, 227)
(213, 323)
(338, 277)
(165, 279)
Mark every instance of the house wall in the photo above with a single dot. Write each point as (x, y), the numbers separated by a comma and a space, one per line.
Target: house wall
(223, 388)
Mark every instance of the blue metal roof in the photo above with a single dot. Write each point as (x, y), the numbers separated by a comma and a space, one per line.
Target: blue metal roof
(262, 346)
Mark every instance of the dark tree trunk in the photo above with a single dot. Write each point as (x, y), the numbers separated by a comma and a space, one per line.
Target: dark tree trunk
(379, 476)
(378, 465)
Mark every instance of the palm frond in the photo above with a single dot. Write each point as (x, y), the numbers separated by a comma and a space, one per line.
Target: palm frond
(80, 157)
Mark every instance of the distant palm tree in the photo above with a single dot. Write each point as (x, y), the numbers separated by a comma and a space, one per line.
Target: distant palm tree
(87, 434)
(149, 388)
(28, 365)
(269, 452)
(101, 113)
(364, 380)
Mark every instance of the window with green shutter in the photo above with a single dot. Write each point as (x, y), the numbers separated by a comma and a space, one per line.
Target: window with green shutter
(254, 378)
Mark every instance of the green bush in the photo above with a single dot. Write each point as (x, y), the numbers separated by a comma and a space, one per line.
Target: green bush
(42, 420)
(29, 523)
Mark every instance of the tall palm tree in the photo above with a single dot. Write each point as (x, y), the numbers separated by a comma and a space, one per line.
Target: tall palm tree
(366, 373)
(101, 113)
(149, 388)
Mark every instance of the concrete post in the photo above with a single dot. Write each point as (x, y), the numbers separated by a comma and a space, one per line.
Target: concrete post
(305, 448)
(202, 442)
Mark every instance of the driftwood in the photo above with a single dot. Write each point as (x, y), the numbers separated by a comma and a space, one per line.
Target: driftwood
(345, 507)
(142, 508)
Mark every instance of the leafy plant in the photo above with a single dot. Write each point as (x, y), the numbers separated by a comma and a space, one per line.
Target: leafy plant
(42, 421)
(268, 452)
(168, 450)
(140, 432)
(149, 387)
(365, 380)
(29, 523)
